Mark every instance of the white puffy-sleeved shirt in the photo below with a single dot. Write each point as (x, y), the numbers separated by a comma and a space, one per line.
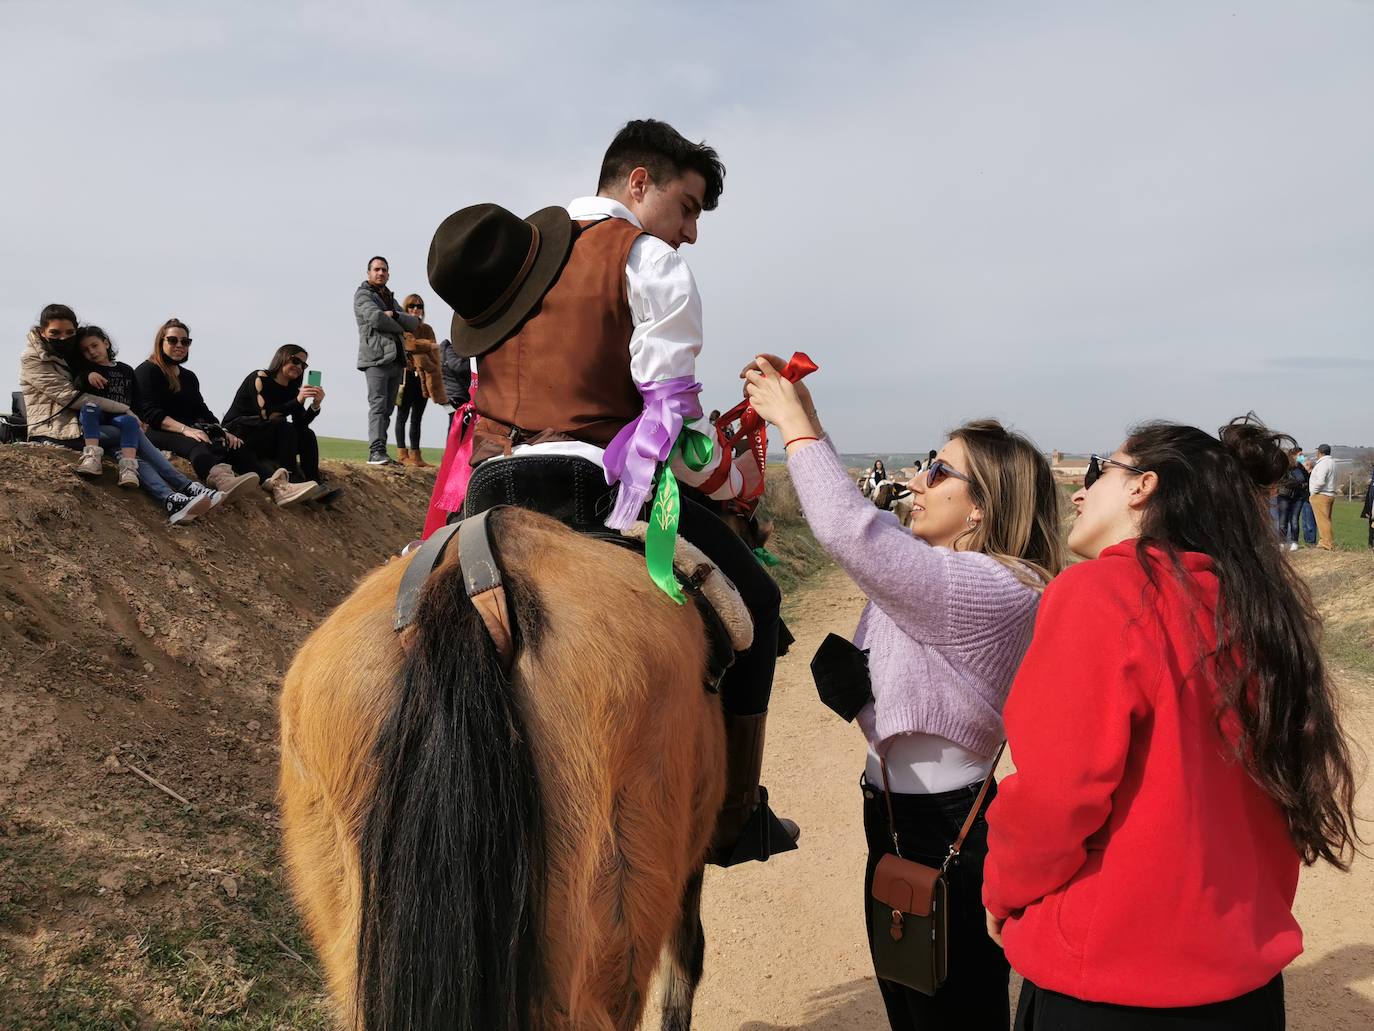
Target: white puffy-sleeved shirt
(666, 308)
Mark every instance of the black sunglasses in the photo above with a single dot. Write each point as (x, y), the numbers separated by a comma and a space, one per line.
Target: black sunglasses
(939, 469)
(415, 307)
(183, 341)
(293, 360)
(1095, 469)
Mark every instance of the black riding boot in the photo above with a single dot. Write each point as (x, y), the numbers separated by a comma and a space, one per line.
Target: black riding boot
(746, 828)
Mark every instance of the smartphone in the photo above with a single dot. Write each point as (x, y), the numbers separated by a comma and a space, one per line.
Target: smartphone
(312, 378)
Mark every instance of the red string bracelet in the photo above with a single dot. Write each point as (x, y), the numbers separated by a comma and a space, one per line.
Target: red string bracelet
(789, 443)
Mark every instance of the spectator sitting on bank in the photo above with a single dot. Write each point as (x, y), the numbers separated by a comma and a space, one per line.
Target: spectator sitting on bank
(381, 326)
(179, 420)
(272, 412)
(141, 464)
(422, 382)
(51, 398)
(457, 374)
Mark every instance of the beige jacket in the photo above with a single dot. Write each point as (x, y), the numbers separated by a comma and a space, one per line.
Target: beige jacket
(50, 397)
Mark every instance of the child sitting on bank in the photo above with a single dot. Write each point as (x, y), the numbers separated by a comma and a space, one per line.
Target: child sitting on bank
(95, 371)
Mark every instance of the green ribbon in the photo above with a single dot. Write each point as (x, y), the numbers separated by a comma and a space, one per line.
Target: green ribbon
(766, 557)
(660, 542)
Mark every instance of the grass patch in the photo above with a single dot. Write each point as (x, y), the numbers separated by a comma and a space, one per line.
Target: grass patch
(341, 449)
(798, 554)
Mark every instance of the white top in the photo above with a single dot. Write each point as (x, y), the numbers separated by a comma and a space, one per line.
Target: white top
(924, 764)
(1323, 479)
(666, 308)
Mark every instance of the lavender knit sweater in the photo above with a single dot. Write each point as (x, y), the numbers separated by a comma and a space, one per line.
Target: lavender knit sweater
(945, 629)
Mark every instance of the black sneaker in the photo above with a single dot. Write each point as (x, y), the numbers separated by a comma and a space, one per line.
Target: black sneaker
(324, 494)
(197, 489)
(183, 509)
(379, 458)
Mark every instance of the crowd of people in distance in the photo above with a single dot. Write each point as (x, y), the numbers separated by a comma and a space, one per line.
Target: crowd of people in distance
(77, 395)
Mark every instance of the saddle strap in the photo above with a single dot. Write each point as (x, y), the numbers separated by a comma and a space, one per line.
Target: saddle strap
(481, 577)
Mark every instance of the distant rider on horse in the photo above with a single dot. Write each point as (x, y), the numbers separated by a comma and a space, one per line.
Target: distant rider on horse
(585, 323)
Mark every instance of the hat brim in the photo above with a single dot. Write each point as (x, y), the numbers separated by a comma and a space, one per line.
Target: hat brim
(555, 243)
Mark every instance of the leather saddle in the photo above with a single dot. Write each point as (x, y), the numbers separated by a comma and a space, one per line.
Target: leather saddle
(569, 489)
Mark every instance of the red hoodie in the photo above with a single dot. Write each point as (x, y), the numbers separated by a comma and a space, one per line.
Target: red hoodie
(1134, 859)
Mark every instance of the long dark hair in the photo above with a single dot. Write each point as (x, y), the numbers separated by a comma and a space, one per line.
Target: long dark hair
(452, 847)
(1212, 498)
(284, 352)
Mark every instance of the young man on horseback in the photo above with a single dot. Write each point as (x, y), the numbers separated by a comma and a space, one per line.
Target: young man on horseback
(585, 324)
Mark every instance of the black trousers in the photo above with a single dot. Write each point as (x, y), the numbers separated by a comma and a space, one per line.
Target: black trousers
(204, 457)
(282, 444)
(1043, 1010)
(974, 997)
(411, 408)
(748, 684)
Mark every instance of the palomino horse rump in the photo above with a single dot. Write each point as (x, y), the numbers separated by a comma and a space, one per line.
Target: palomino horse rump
(488, 853)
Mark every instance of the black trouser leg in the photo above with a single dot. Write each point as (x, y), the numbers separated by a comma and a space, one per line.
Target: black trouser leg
(417, 411)
(974, 997)
(411, 396)
(1043, 1010)
(747, 684)
(308, 448)
(203, 457)
(273, 443)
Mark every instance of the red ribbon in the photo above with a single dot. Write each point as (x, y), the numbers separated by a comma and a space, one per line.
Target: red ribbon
(751, 427)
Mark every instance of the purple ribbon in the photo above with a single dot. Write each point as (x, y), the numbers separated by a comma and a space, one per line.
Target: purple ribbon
(633, 456)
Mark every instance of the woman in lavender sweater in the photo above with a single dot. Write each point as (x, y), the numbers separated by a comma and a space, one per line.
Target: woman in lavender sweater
(951, 606)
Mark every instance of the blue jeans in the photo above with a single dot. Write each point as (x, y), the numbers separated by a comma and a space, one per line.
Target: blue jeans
(156, 475)
(93, 417)
(1309, 522)
(1289, 511)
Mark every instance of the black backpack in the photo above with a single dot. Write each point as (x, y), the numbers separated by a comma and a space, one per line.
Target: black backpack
(14, 427)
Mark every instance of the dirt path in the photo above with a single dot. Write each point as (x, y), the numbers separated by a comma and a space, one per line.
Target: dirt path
(785, 940)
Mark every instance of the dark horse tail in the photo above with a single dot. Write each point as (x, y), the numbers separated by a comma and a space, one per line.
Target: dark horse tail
(453, 842)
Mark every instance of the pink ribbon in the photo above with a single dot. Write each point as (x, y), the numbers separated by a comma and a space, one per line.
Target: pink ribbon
(633, 456)
(451, 484)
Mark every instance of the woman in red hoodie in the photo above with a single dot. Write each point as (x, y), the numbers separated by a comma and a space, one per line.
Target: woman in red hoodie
(1142, 860)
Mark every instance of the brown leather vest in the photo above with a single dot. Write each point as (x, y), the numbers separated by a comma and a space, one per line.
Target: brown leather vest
(565, 374)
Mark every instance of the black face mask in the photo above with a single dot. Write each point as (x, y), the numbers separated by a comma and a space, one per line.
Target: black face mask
(841, 674)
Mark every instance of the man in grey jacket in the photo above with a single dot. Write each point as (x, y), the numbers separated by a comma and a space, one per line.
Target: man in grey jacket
(381, 353)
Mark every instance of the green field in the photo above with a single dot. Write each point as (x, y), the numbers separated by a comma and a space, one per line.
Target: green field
(341, 449)
(1352, 532)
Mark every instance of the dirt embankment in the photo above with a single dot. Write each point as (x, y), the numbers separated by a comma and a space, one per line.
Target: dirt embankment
(125, 643)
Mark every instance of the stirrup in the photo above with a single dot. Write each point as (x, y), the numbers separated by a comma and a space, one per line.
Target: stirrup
(762, 836)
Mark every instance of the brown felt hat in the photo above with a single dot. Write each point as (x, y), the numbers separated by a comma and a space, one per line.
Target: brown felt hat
(493, 268)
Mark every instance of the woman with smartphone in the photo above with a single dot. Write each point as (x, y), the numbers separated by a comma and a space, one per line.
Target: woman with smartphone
(272, 412)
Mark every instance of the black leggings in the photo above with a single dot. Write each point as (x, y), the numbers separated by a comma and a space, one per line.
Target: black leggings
(204, 457)
(747, 685)
(283, 443)
(974, 996)
(412, 407)
(1043, 1010)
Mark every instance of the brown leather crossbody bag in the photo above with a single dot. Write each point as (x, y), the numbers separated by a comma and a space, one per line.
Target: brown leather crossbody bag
(908, 910)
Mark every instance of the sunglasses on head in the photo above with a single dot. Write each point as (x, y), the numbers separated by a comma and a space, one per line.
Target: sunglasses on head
(1096, 467)
(939, 469)
(174, 341)
(293, 360)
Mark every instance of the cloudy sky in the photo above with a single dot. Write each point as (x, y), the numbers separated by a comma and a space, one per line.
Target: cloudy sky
(1068, 215)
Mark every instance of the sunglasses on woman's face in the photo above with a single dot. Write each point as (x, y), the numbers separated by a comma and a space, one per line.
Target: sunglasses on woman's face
(1096, 467)
(298, 363)
(177, 341)
(939, 469)
(415, 307)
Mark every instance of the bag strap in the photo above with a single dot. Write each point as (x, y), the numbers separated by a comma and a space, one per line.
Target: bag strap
(968, 820)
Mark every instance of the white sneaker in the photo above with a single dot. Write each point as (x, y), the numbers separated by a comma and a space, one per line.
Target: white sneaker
(1292, 545)
(90, 461)
(128, 472)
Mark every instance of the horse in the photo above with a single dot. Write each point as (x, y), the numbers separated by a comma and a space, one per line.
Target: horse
(475, 850)
(891, 496)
